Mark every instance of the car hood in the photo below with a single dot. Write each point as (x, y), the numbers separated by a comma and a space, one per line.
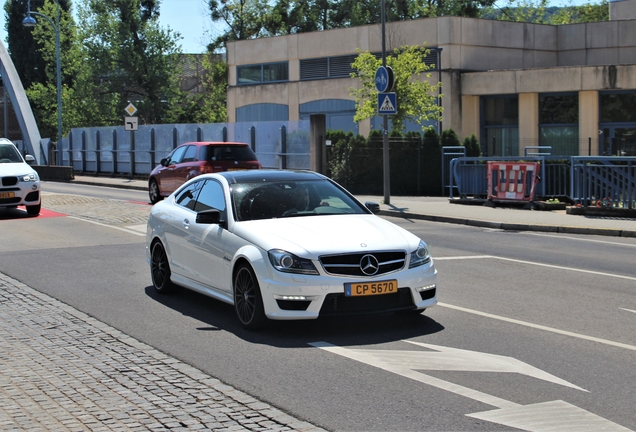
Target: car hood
(312, 236)
(15, 169)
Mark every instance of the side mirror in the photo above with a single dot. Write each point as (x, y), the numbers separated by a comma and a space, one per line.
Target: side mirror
(29, 159)
(373, 206)
(164, 161)
(209, 217)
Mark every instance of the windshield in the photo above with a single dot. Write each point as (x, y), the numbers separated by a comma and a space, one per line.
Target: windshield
(269, 200)
(9, 154)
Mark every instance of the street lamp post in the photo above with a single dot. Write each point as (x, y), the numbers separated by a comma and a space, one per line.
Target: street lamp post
(29, 21)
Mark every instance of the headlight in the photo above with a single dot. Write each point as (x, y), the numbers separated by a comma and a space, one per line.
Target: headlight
(420, 256)
(290, 263)
(29, 177)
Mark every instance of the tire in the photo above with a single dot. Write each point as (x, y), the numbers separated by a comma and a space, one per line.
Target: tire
(160, 269)
(34, 210)
(153, 192)
(248, 302)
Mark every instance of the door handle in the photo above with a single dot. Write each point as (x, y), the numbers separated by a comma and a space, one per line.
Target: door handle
(186, 223)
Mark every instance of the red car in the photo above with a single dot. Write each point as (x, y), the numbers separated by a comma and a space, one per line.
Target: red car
(195, 158)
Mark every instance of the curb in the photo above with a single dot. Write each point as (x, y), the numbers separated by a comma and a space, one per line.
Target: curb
(512, 226)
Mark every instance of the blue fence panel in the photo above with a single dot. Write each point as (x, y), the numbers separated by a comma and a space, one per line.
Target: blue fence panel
(604, 182)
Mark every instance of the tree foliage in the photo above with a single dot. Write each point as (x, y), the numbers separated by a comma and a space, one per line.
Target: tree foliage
(416, 96)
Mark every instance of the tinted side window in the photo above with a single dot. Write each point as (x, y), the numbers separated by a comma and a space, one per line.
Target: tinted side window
(176, 155)
(187, 196)
(190, 154)
(210, 197)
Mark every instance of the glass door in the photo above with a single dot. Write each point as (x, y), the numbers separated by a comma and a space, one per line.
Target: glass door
(618, 141)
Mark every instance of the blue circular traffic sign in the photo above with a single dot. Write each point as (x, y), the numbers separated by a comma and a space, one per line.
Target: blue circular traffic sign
(384, 79)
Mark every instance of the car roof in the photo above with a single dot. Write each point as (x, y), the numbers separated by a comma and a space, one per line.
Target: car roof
(267, 175)
(214, 143)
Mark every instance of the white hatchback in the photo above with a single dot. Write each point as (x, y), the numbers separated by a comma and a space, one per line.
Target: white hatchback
(286, 245)
(19, 183)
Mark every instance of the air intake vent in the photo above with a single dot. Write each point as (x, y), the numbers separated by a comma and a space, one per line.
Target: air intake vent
(314, 68)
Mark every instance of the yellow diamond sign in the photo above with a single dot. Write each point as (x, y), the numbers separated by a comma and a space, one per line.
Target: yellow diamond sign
(130, 109)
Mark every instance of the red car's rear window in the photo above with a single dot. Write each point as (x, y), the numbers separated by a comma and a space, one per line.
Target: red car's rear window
(227, 153)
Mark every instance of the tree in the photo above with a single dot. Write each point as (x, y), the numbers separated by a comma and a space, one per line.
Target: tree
(537, 11)
(25, 51)
(41, 83)
(244, 19)
(131, 59)
(416, 96)
(472, 146)
(210, 106)
(584, 13)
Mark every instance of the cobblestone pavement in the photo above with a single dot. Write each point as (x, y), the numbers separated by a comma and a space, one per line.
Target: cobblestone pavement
(62, 370)
(103, 210)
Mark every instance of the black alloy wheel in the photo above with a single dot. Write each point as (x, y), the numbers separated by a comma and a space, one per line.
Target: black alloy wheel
(248, 302)
(160, 269)
(153, 192)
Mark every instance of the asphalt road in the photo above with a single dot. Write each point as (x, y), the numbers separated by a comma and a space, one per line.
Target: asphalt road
(533, 331)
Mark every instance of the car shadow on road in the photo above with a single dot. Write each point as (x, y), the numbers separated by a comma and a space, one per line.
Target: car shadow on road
(348, 330)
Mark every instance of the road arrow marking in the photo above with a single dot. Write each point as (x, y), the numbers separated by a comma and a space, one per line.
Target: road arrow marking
(555, 416)
(544, 417)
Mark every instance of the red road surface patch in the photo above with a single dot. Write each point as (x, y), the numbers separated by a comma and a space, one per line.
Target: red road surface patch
(20, 213)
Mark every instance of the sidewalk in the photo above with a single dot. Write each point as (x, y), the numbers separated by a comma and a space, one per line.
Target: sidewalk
(441, 209)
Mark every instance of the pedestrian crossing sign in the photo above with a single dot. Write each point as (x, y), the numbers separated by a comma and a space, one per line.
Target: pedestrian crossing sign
(387, 103)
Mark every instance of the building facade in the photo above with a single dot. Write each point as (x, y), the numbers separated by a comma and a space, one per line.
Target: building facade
(514, 85)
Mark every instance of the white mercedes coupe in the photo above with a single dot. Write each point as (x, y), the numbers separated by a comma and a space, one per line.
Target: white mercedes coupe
(285, 245)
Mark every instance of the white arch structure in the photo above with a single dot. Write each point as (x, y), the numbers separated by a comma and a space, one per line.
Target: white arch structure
(20, 102)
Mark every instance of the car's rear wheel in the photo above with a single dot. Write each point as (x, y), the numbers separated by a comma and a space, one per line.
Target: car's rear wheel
(160, 269)
(34, 210)
(153, 192)
(248, 301)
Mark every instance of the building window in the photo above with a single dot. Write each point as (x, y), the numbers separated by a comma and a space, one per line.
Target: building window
(500, 132)
(559, 123)
(618, 107)
(262, 73)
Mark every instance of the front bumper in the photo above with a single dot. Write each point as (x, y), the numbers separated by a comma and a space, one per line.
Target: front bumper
(291, 296)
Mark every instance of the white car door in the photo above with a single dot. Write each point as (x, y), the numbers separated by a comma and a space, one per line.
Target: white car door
(178, 230)
(204, 251)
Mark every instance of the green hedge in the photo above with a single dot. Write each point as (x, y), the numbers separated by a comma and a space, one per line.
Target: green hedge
(415, 163)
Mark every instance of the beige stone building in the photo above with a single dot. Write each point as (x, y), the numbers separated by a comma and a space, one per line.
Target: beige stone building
(513, 85)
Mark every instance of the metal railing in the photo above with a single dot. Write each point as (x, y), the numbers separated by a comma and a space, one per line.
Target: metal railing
(604, 182)
(584, 180)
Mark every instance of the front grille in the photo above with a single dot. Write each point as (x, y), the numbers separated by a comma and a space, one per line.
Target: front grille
(9, 181)
(10, 201)
(339, 304)
(349, 264)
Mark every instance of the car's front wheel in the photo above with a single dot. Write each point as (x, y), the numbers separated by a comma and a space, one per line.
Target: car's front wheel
(153, 192)
(34, 210)
(160, 269)
(248, 302)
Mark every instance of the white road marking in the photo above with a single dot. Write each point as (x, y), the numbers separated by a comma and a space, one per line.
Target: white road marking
(540, 327)
(535, 264)
(124, 229)
(628, 310)
(554, 416)
(581, 239)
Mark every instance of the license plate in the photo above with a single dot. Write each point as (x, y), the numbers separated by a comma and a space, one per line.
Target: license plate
(359, 289)
(7, 194)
